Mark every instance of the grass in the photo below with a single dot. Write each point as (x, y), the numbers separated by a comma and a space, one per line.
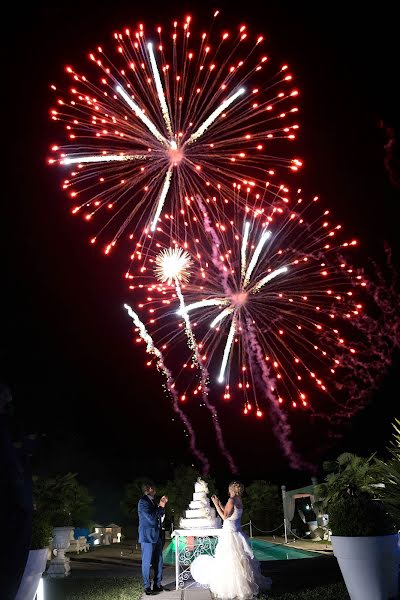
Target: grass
(130, 588)
(335, 591)
(98, 588)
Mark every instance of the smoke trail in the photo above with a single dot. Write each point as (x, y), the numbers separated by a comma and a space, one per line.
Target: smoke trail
(152, 349)
(204, 378)
(392, 158)
(362, 372)
(280, 424)
(215, 247)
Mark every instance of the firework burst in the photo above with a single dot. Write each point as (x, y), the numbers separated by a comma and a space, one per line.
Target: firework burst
(281, 289)
(173, 264)
(166, 116)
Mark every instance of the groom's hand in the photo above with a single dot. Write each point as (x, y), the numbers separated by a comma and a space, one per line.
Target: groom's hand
(163, 501)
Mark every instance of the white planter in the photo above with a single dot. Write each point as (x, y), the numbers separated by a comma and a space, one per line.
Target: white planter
(34, 568)
(59, 566)
(369, 565)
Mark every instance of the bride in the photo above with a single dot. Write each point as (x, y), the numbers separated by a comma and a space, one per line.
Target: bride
(236, 574)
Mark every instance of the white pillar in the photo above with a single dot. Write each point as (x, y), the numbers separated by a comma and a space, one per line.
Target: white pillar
(285, 524)
(176, 560)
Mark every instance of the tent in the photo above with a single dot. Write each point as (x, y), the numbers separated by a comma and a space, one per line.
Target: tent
(115, 531)
(289, 501)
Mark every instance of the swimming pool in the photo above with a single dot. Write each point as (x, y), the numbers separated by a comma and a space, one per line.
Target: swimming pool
(263, 551)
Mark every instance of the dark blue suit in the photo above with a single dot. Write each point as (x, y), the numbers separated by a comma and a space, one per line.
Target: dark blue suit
(150, 539)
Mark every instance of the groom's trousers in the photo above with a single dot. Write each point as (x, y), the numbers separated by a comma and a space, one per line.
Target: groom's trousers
(152, 557)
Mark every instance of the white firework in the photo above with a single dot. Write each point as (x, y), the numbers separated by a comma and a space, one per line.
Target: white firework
(172, 266)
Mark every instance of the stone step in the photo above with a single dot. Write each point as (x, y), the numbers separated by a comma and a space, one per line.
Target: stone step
(191, 593)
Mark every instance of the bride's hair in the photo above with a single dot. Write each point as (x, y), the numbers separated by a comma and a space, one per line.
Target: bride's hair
(236, 487)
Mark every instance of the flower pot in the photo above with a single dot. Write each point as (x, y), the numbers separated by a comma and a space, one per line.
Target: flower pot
(59, 565)
(34, 568)
(369, 565)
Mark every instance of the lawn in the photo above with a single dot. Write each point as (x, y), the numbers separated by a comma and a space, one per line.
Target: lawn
(130, 588)
(335, 591)
(99, 588)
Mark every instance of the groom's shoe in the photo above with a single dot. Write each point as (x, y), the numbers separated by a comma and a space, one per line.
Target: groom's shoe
(148, 591)
(157, 589)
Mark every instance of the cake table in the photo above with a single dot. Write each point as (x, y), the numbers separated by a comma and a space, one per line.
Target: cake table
(189, 544)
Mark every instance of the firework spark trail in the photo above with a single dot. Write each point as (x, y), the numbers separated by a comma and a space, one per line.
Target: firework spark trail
(160, 90)
(204, 378)
(173, 267)
(225, 104)
(188, 327)
(243, 252)
(227, 350)
(280, 424)
(255, 256)
(152, 349)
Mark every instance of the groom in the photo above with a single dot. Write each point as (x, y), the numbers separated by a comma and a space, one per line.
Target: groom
(150, 537)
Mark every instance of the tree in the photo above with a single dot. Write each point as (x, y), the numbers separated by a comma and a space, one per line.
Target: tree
(180, 491)
(348, 475)
(263, 505)
(63, 498)
(133, 491)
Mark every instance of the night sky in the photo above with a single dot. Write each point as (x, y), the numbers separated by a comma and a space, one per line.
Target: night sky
(66, 349)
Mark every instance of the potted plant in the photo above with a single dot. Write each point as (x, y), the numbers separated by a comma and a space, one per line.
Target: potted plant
(363, 534)
(37, 558)
(390, 473)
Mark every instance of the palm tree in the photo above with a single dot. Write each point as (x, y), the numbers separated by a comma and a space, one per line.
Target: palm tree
(390, 471)
(348, 475)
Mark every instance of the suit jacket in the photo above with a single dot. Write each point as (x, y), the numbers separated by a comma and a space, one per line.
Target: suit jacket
(149, 521)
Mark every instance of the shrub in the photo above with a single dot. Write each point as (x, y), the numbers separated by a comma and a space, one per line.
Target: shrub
(41, 532)
(359, 516)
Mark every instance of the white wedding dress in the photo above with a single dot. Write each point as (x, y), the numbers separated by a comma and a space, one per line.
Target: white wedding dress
(236, 573)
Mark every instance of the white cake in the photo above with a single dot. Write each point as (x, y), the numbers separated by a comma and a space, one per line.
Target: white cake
(200, 515)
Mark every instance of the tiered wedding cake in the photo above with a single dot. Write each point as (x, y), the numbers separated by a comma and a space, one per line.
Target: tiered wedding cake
(200, 515)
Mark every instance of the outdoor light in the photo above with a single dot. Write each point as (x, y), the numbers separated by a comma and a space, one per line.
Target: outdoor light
(40, 590)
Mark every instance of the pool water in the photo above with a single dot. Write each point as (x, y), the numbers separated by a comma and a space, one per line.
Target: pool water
(267, 551)
(263, 551)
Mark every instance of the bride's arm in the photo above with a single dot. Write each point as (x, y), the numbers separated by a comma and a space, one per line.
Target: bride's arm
(226, 512)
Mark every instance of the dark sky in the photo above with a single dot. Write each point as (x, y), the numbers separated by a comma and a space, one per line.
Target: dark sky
(66, 347)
